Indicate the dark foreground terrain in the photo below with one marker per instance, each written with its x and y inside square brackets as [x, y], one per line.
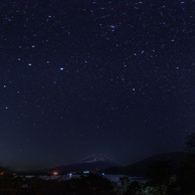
[161, 181]
[164, 176]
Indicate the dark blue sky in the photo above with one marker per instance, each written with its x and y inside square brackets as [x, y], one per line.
[85, 77]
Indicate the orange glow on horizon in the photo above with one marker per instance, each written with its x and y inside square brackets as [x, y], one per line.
[2, 173]
[55, 173]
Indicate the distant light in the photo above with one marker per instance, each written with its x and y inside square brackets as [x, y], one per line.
[103, 174]
[2, 173]
[61, 68]
[112, 26]
[55, 173]
[29, 64]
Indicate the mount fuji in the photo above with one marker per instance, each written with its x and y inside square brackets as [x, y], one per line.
[92, 163]
[96, 158]
[95, 162]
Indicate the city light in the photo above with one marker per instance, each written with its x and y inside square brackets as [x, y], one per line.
[55, 173]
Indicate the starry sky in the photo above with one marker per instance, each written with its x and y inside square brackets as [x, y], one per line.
[88, 77]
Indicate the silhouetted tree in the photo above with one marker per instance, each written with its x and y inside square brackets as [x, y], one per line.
[190, 143]
[8, 183]
[160, 177]
[125, 182]
[92, 184]
[186, 173]
[160, 172]
[133, 189]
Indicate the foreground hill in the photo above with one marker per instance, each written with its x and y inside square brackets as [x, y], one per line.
[141, 168]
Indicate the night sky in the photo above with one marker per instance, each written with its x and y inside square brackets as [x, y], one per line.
[86, 77]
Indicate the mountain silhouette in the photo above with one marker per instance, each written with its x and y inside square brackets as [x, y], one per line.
[143, 167]
[91, 163]
[96, 158]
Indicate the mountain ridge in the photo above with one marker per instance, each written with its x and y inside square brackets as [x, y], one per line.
[95, 158]
[142, 167]
[91, 163]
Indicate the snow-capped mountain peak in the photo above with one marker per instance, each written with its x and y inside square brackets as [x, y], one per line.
[96, 158]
